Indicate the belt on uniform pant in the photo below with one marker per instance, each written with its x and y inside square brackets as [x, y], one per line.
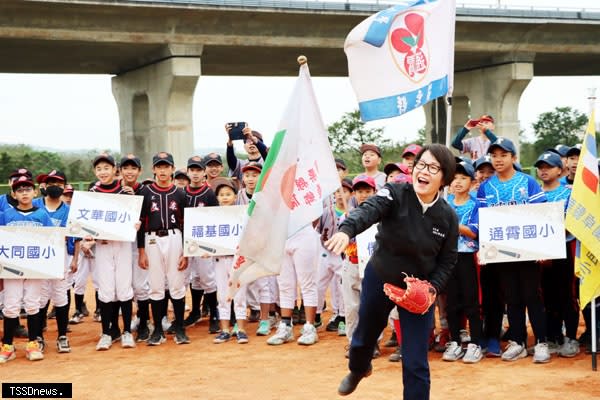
[162, 232]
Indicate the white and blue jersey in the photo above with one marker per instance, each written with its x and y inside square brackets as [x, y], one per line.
[7, 202]
[519, 189]
[559, 194]
[467, 215]
[32, 217]
[59, 218]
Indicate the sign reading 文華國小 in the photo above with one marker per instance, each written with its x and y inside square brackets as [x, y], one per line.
[105, 216]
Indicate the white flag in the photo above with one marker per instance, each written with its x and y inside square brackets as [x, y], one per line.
[298, 174]
[403, 57]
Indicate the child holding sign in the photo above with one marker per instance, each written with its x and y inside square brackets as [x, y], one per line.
[113, 267]
[520, 280]
[25, 292]
[226, 195]
[363, 187]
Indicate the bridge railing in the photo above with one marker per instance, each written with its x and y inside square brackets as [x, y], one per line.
[372, 5]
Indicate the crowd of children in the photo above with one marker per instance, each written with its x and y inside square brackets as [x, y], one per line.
[146, 275]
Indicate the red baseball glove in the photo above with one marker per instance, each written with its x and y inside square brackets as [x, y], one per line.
[417, 298]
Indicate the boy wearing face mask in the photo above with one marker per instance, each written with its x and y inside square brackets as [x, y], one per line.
[57, 290]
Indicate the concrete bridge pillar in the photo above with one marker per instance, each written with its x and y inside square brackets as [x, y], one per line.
[496, 91]
[155, 109]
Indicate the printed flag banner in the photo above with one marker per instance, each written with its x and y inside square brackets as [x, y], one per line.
[298, 174]
[583, 216]
[105, 216]
[32, 252]
[401, 58]
[587, 268]
[583, 212]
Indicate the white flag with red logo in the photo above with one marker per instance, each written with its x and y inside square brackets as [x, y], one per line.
[403, 57]
[298, 174]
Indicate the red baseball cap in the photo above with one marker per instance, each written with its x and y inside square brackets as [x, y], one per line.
[389, 167]
[364, 179]
[411, 149]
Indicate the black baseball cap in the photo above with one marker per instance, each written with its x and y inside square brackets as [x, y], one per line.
[340, 164]
[575, 150]
[163, 158]
[104, 157]
[130, 159]
[212, 157]
[181, 173]
[195, 161]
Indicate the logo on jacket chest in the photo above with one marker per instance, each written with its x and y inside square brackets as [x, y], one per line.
[436, 232]
[173, 205]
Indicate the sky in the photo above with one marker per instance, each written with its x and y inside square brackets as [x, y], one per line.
[71, 112]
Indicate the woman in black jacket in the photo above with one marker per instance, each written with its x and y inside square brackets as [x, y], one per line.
[417, 235]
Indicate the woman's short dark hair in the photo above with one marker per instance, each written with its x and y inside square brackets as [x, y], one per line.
[445, 157]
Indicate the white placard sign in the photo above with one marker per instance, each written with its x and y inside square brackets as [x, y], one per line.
[32, 252]
[522, 232]
[213, 231]
[106, 216]
[365, 244]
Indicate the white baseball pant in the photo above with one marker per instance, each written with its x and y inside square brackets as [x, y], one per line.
[201, 274]
[222, 266]
[163, 260]
[351, 288]
[21, 292]
[300, 263]
[113, 270]
[85, 268]
[330, 275]
[141, 288]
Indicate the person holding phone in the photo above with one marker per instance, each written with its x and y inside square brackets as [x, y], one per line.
[253, 145]
[476, 146]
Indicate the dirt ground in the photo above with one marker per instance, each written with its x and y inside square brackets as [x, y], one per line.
[258, 371]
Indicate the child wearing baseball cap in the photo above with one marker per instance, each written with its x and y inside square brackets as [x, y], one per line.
[520, 280]
[462, 292]
[363, 187]
[476, 146]
[409, 154]
[558, 276]
[371, 158]
[25, 292]
[226, 193]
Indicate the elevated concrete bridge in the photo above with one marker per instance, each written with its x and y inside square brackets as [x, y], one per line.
[158, 49]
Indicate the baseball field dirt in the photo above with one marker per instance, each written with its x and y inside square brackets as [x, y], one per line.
[256, 370]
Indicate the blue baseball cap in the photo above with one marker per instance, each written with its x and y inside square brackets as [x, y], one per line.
[560, 149]
[482, 161]
[465, 168]
[549, 157]
[504, 144]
